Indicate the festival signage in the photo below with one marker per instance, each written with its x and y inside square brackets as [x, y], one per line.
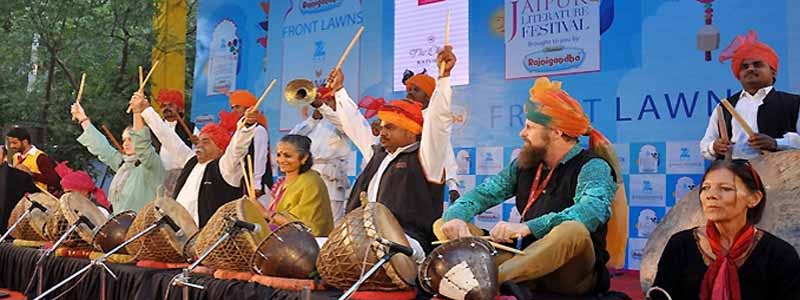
[551, 37]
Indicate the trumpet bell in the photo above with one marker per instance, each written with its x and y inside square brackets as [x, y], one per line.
[300, 92]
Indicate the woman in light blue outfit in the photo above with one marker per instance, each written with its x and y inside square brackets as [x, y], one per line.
[139, 171]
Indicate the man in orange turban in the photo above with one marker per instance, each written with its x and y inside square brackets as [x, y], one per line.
[405, 172]
[240, 101]
[772, 115]
[571, 203]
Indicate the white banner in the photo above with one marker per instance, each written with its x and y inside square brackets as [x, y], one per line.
[551, 37]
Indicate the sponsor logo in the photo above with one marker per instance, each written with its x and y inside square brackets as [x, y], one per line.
[554, 59]
[317, 6]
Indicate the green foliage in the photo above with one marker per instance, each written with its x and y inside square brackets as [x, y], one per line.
[106, 39]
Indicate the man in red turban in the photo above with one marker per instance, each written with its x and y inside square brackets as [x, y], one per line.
[172, 107]
[405, 172]
[772, 115]
[240, 101]
[211, 173]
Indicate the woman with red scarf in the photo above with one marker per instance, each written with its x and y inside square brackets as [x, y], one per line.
[729, 258]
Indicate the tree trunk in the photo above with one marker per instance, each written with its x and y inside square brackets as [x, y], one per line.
[51, 69]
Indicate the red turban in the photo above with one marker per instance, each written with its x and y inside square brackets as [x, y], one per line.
[222, 132]
[748, 47]
[80, 181]
[171, 96]
[242, 98]
[423, 82]
[406, 114]
[371, 105]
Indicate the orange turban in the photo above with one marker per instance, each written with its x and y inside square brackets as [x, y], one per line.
[171, 96]
[406, 114]
[748, 47]
[423, 82]
[242, 98]
[222, 132]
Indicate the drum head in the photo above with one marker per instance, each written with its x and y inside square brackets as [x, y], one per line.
[171, 208]
[389, 228]
[461, 269]
[289, 251]
[38, 218]
[235, 253]
[112, 233]
[74, 205]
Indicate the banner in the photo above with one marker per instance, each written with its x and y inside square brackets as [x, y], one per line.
[551, 37]
[314, 35]
[169, 26]
[419, 36]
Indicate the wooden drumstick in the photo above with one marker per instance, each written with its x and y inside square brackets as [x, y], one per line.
[738, 117]
[80, 89]
[263, 95]
[111, 138]
[446, 39]
[252, 177]
[723, 130]
[350, 47]
[142, 83]
[496, 245]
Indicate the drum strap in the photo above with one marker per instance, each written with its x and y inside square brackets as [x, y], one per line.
[537, 188]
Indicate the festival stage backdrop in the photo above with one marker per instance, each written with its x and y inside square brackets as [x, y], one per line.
[634, 65]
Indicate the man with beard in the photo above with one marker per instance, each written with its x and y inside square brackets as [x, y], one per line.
[13, 185]
[563, 192]
[31, 160]
[211, 173]
[405, 171]
[419, 88]
[172, 108]
[772, 115]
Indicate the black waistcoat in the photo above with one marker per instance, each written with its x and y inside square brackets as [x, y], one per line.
[405, 191]
[777, 115]
[214, 190]
[558, 195]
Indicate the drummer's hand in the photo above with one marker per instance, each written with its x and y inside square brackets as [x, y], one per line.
[251, 117]
[455, 228]
[762, 142]
[78, 114]
[505, 232]
[447, 57]
[721, 147]
[138, 102]
[336, 80]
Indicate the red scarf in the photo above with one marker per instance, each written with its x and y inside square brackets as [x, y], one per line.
[721, 281]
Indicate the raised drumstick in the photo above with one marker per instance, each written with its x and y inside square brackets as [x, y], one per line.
[111, 138]
[446, 40]
[142, 82]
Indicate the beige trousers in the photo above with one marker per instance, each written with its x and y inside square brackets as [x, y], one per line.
[561, 262]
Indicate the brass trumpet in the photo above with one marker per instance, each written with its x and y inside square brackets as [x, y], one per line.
[300, 92]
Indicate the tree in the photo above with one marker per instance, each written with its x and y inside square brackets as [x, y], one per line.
[106, 39]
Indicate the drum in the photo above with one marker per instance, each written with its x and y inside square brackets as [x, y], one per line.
[56, 225]
[235, 253]
[461, 269]
[112, 233]
[780, 173]
[162, 244]
[352, 247]
[188, 248]
[289, 251]
[75, 205]
[32, 228]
